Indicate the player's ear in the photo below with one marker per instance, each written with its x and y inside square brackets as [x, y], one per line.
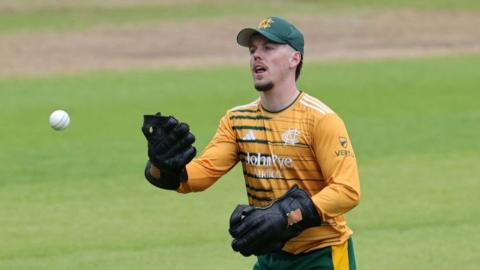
[295, 58]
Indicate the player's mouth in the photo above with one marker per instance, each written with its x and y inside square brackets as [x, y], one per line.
[259, 69]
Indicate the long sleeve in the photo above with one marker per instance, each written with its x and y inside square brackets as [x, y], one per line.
[220, 155]
[338, 164]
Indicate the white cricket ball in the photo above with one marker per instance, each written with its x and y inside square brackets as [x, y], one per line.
[59, 119]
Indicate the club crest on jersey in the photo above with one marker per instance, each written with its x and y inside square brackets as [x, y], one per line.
[343, 142]
[290, 137]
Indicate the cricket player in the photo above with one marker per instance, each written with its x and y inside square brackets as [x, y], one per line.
[299, 166]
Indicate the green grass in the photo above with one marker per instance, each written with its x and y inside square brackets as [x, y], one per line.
[76, 199]
[84, 16]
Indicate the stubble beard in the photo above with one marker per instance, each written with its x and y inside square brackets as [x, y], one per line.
[263, 87]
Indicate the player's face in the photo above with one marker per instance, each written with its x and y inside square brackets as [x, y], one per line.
[269, 62]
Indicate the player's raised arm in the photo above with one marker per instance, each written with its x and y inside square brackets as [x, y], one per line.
[170, 153]
[220, 155]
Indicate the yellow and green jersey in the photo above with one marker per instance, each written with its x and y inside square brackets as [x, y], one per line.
[305, 144]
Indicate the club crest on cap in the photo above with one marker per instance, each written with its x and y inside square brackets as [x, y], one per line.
[265, 23]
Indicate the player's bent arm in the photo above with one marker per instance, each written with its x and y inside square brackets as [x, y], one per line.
[337, 161]
[220, 155]
[335, 200]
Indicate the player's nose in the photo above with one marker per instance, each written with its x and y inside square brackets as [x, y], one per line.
[257, 55]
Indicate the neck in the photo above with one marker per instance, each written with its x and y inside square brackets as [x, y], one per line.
[278, 98]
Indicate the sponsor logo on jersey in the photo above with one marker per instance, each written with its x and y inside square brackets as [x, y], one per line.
[290, 137]
[250, 136]
[275, 174]
[269, 160]
[344, 153]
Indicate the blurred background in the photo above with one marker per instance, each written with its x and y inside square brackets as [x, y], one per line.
[403, 75]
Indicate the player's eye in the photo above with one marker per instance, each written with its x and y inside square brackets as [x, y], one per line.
[269, 47]
[251, 50]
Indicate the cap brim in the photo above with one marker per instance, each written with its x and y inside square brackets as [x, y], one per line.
[244, 36]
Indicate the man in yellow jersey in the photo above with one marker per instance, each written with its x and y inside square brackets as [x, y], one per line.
[299, 166]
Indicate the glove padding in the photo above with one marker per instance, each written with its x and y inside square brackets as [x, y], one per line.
[262, 230]
[169, 142]
[169, 148]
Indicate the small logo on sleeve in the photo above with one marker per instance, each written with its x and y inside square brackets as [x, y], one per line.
[344, 152]
[343, 142]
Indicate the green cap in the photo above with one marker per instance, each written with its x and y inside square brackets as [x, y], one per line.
[275, 29]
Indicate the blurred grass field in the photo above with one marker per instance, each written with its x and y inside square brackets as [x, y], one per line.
[54, 15]
[77, 199]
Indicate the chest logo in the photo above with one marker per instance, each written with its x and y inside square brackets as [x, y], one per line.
[250, 136]
[290, 137]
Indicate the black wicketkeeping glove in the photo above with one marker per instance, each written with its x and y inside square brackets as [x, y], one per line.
[169, 149]
[262, 230]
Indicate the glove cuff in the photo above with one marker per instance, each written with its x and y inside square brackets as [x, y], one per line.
[169, 179]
